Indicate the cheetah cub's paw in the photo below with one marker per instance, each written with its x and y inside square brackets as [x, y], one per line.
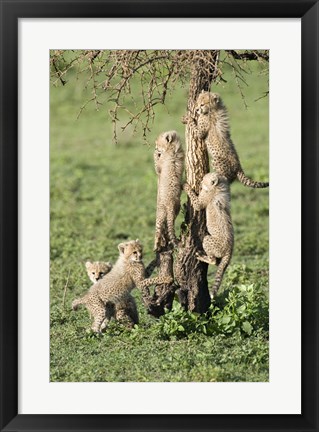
[167, 280]
[185, 119]
[93, 333]
[174, 244]
[205, 259]
[158, 248]
[186, 187]
[157, 245]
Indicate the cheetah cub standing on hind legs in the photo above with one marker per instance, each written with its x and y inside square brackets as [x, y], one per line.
[214, 196]
[121, 312]
[212, 125]
[127, 273]
[168, 160]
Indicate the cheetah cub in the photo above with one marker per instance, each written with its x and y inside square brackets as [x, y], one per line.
[168, 160]
[212, 125]
[126, 312]
[127, 273]
[214, 196]
[96, 270]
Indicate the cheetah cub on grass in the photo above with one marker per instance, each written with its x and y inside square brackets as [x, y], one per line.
[126, 312]
[168, 160]
[212, 125]
[127, 273]
[214, 196]
[97, 269]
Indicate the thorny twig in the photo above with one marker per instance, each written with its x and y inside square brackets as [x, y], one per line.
[154, 73]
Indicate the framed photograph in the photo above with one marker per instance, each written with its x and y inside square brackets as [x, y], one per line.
[169, 137]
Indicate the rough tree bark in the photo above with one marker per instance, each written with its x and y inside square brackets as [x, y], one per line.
[164, 294]
[190, 274]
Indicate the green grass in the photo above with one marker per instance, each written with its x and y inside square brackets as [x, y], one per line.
[102, 194]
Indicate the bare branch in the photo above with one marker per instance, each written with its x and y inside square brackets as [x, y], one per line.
[110, 73]
[249, 55]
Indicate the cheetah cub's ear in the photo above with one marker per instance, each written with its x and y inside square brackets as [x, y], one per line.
[216, 98]
[121, 248]
[214, 181]
[88, 264]
[170, 136]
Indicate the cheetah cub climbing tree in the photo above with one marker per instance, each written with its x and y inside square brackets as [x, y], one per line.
[211, 124]
[214, 198]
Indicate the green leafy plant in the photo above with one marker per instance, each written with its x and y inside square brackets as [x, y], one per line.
[246, 307]
[243, 309]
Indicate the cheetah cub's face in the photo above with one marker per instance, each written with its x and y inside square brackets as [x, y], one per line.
[96, 270]
[213, 182]
[167, 142]
[131, 250]
[207, 102]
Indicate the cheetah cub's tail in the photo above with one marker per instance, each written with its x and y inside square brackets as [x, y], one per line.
[246, 181]
[77, 302]
[220, 273]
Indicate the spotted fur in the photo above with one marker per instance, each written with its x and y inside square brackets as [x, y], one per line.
[127, 273]
[212, 125]
[97, 269]
[126, 312]
[168, 160]
[214, 197]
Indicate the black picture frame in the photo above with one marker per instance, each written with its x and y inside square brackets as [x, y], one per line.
[11, 11]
